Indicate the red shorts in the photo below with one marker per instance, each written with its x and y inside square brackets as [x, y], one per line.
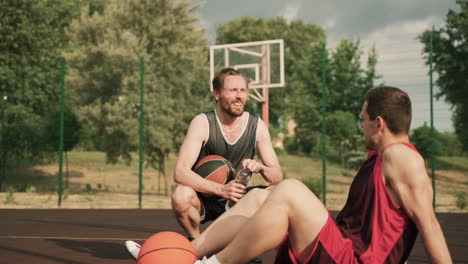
[330, 247]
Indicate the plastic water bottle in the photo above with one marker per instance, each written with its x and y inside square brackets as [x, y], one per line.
[243, 176]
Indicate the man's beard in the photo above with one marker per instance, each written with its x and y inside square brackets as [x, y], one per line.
[228, 109]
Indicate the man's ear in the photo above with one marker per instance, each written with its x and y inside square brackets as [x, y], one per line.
[216, 95]
[380, 122]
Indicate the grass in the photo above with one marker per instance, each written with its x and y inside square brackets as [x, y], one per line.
[95, 184]
[452, 163]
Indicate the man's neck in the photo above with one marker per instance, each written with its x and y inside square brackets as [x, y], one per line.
[389, 139]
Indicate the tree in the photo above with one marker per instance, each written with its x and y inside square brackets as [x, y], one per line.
[342, 131]
[300, 98]
[450, 144]
[348, 79]
[450, 58]
[105, 74]
[31, 43]
[71, 133]
[421, 138]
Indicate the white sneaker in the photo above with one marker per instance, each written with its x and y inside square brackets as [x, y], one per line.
[201, 261]
[212, 260]
[133, 248]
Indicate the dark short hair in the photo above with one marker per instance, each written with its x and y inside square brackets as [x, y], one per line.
[218, 80]
[393, 105]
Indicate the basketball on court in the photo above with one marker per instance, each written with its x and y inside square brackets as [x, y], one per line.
[215, 168]
[167, 247]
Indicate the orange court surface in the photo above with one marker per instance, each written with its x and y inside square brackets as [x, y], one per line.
[79, 236]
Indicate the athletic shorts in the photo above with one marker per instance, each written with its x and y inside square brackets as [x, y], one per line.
[330, 247]
[214, 206]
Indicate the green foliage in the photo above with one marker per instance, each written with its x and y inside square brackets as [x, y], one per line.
[354, 159]
[460, 119]
[343, 126]
[460, 200]
[72, 129]
[450, 60]
[10, 198]
[105, 75]
[348, 80]
[308, 127]
[341, 130]
[31, 43]
[450, 144]
[314, 184]
[302, 59]
[421, 137]
[452, 163]
[89, 188]
[290, 144]
[300, 99]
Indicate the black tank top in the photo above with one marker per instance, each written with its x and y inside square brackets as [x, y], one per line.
[243, 148]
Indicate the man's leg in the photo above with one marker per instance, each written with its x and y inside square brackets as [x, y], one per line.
[187, 207]
[291, 208]
[221, 232]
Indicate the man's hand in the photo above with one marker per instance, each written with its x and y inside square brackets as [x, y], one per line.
[253, 165]
[233, 191]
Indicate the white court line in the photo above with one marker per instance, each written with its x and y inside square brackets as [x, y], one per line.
[71, 238]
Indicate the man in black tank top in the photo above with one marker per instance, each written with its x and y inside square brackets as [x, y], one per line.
[227, 131]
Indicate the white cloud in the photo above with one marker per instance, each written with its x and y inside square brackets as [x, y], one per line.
[330, 23]
[206, 25]
[291, 11]
[400, 62]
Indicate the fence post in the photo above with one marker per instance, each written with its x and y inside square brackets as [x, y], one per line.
[62, 106]
[324, 124]
[432, 123]
[140, 174]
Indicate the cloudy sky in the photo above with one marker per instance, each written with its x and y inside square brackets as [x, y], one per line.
[391, 26]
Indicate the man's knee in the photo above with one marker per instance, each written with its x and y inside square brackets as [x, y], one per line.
[293, 190]
[183, 197]
[289, 186]
[256, 197]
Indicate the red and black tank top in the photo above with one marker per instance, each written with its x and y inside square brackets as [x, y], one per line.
[381, 231]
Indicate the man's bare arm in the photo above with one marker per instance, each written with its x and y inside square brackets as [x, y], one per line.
[188, 154]
[406, 176]
[269, 168]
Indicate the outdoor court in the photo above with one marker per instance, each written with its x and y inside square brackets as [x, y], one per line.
[81, 236]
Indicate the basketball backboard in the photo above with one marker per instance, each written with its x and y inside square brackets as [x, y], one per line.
[262, 62]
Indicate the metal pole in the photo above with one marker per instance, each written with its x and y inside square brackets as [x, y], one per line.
[140, 174]
[2, 140]
[62, 106]
[324, 123]
[432, 123]
[266, 101]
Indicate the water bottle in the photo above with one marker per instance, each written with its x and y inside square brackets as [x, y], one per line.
[243, 176]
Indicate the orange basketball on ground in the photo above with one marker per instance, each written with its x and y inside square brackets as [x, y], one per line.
[215, 168]
[167, 247]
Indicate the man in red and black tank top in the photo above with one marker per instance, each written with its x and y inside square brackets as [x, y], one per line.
[389, 201]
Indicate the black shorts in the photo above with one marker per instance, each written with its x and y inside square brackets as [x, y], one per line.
[214, 206]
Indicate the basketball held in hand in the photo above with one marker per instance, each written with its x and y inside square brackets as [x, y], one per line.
[215, 168]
